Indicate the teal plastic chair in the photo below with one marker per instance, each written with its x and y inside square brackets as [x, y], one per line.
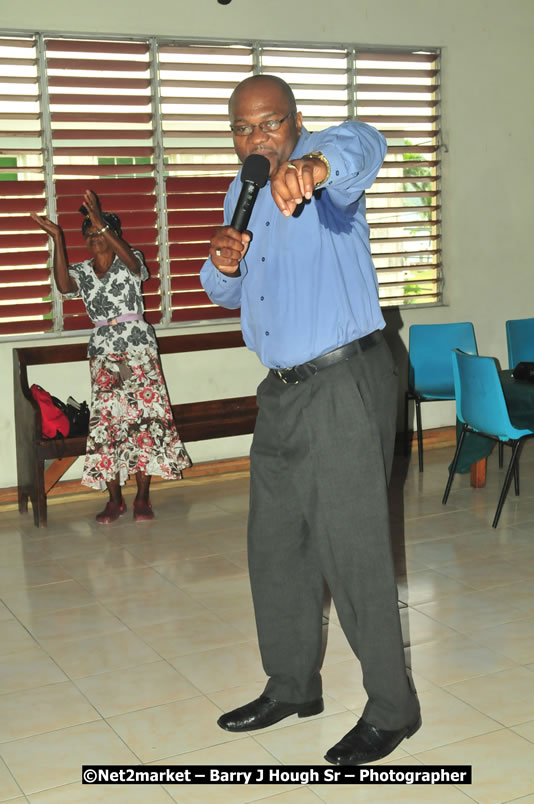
[520, 341]
[481, 408]
[430, 377]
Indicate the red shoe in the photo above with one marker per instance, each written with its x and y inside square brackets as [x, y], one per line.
[142, 511]
[111, 513]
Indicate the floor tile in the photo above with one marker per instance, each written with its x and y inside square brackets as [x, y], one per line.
[9, 789]
[13, 579]
[514, 640]
[441, 525]
[526, 730]
[75, 543]
[455, 659]
[19, 553]
[45, 709]
[221, 668]
[183, 573]
[95, 564]
[343, 682]
[301, 796]
[468, 613]
[190, 635]
[5, 613]
[222, 593]
[100, 654]
[132, 688]
[48, 598]
[57, 756]
[508, 696]
[487, 572]
[418, 628]
[72, 624]
[423, 586]
[446, 719]
[242, 752]
[337, 646]
[153, 608]
[28, 668]
[391, 793]
[173, 728]
[153, 552]
[239, 557]
[502, 762]
[102, 794]
[14, 637]
[520, 595]
[127, 583]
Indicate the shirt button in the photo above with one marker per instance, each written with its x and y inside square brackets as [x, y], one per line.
[263, 259]
[267, 332]
[337, 172]
[267, 223]
[262, 298]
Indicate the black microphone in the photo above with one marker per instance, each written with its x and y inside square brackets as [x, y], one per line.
[254, 175]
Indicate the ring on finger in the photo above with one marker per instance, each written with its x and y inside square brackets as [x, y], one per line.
[291, 165]
[217, 252]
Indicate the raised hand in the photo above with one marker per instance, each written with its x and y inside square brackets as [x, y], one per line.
[92, 204]
[295, 181]
[47, 225]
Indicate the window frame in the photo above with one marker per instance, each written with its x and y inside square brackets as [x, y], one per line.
[163, 173]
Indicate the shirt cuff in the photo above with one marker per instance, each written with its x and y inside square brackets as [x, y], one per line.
[336, 165]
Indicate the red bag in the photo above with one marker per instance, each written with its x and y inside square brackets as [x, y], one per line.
[55, 423]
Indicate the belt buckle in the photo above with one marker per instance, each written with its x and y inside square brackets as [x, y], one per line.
[280, 374]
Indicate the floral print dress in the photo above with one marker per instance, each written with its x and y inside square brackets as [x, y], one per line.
[131, 428]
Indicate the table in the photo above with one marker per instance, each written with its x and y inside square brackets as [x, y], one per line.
[519, 395]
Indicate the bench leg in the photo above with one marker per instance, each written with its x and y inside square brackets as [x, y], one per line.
[23, 500]
[38, 496]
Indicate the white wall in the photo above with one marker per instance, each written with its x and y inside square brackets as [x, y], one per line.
[487, 64]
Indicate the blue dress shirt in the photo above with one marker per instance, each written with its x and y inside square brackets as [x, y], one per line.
[308, 283]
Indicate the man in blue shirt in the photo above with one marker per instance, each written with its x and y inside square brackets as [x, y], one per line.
[323, 444]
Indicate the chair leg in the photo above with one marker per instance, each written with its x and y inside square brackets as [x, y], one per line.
[501, 454]
[516, 478]
[516, 449]
[406, 426]
[453, 465]
[419, 433]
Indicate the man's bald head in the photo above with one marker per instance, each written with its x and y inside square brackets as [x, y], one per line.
[257, 83]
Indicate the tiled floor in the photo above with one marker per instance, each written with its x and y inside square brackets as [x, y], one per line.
[123, 644]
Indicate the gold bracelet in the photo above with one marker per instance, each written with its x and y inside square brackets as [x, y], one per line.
[103, 229]
[324, 160]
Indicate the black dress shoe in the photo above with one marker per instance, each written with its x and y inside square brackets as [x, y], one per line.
[263, 712]
[366, 743]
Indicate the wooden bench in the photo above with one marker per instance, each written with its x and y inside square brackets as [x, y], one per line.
[196, 421]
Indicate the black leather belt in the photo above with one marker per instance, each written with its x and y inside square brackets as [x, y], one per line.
[300, 373]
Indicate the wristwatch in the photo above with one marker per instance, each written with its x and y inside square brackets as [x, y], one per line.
[324, 160]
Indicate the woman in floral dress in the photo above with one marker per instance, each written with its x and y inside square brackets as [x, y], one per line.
[131, 429]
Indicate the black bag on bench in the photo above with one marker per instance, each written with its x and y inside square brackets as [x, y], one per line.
[78, 416]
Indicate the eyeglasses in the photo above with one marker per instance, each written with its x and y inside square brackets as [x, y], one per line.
[267, 126]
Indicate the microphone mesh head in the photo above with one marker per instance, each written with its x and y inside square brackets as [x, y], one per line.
[256, 168]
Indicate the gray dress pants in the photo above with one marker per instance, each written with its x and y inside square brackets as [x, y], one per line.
[320, 463]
